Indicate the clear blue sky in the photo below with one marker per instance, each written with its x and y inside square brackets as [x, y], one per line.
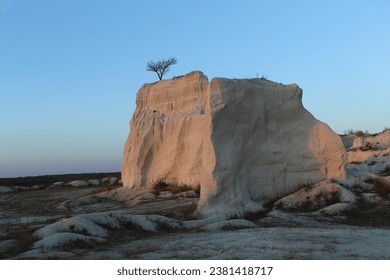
[70, 70]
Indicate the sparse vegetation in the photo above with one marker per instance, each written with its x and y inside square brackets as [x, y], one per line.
[368, 215]
[309, 198]
[381, 185]
[369, 147]
[271, 203]
[24, 238]
[161, 67]
[360, 133]
[161, 185]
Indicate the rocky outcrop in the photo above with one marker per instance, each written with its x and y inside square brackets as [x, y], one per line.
[166, 133]
[378, 141]
[361, 146]
[244, 141]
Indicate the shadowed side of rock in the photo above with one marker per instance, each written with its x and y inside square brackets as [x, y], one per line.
[264, 143]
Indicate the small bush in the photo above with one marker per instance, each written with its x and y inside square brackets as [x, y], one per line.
[359, 133]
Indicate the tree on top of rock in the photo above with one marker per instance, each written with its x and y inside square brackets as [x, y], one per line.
[160, 67]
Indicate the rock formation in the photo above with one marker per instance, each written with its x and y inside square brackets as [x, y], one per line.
[361, 146]
[243, 141]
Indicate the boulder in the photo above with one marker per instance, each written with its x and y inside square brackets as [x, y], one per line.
[5, 189]
[77, 183]
[93, 182]
[317, 196]
[58, 184]
[245, 142]
[109, 181]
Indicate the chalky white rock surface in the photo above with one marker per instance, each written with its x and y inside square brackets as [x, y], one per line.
[244, 141]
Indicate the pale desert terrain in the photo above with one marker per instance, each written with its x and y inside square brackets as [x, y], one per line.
[98, 219]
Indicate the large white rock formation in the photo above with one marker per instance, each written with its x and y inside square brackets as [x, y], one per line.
[244, 141]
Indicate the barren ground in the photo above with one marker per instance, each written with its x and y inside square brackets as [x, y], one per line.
[358, 234]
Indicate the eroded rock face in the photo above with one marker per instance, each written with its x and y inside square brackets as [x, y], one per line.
[166, 131]
[244, 141]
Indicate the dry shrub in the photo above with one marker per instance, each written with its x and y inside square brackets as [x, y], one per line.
[381, 185]
[369, 147]
[160, 185]
[359, 133]
[24, 236]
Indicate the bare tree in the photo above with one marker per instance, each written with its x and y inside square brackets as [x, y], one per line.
[160, 67]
